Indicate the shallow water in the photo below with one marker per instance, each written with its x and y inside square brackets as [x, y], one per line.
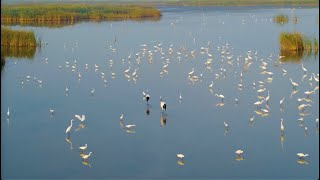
[34, 144]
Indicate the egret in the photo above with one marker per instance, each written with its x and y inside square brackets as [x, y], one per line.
[281, 101]
[130, 126]
[82, 148]
[294, 84]
[251, 119]
[121, 117]
[180, 97]
[304, 69]
[51, 111]
[69, 128]
[221, 96]
[127, 70]
[80, 118]
[226, 126]
[211, 85]
[308, 93]
[134, 73]
[92, 92]
[239, 152]
[163, 105]
[181, 156]
[191, 72]
[301, 155]
[85, 157]
[8, 113]
[305, 130]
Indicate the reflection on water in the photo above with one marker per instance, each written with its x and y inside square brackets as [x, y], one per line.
[294, 56]
[163, 120]
[16, 52]
[61, 24]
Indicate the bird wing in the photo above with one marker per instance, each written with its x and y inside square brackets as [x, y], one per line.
[77, 116]
[130, 126]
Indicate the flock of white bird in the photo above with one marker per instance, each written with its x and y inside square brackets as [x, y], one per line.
[227, 59]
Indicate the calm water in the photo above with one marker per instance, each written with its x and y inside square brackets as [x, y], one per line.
[34, 144]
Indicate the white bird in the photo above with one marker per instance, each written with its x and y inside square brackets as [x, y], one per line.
[180, 97]
[282, 126]
[121, 117]
[294, 84]
[281, 101]
[82, 148]
[221, 96]
[304, 69]
[251, 119]
[239, 152]
[8, 113]
[211, 85]
[301, 155]
[130, 126]
[85, 157]
[191, 72]
[69, 128]
[225, 125]
[284, 71]
[181, 156]
[51, 111]
[135, 72]
[80, 118]
[163, 104]
[92, 91]
[127, 70]
[308, 93]
[67, 89]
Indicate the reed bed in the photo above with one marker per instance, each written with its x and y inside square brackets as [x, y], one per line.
[295, 46]
[17, 38]
[281, 19]
[71, 13]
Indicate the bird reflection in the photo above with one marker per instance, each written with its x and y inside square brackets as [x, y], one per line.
[302, 161]
[148, 109]
[282, 140]
[180, 162]
[239, 158]
[86, 163]
[81, 126]
[69, 141]
[163, 120]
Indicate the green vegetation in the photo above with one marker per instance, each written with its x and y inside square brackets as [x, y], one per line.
[44, 14]
[294, 46]
[281, 19]
[17, 38]
[291, 42]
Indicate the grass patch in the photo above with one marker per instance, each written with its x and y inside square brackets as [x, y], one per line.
[44, 14]
[294, 46]
[17, 38]
[281, 19]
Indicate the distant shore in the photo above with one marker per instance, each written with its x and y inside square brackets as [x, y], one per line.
[303, 3]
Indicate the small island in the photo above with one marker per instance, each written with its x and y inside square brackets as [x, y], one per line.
[55, 14]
